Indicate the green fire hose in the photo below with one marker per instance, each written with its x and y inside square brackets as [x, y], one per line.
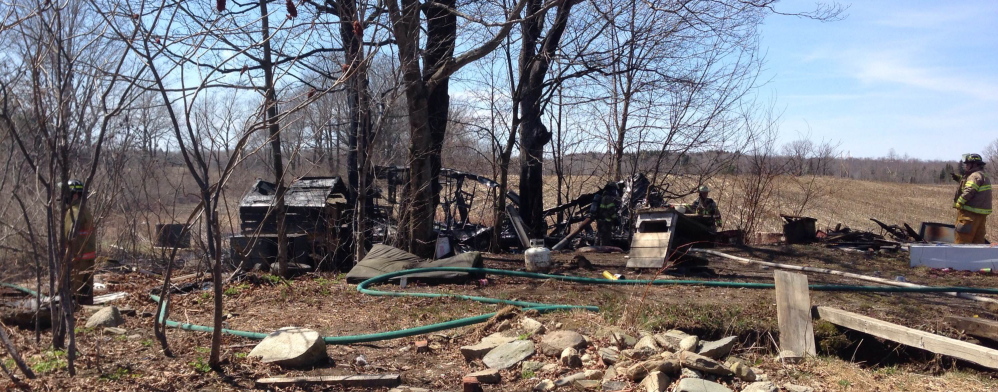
[363, 287]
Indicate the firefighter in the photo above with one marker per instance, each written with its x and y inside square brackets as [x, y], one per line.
[604, 211]
[705, 206]
[80, 243]
[972, 201]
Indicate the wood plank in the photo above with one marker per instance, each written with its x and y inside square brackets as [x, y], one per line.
[650, 240]
[973, 326]
[648, 252]
[360, 380]
[645, 262]
[103, 299]
[793, 311]
[912, 337]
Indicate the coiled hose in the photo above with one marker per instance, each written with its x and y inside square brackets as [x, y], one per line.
[363, 287]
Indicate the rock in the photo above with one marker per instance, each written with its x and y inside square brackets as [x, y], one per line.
[762, 386]
[115, 331]
[610, 374]
[623, 340]
[655, 382]
[718, 349]
[134, 337]
[553, 343]
[587, 360]
[703, 364]
[689, 343]
[613, 385]
[690, 373]
[609, 355]
[797, 388]
[531, 326]
[570, 358]
[549, 368]
[760, 375]
[509, 354]
[587, 384]
[742, 371]
[647, 342]
[106, 317]
[487, 376]
[699, 385]
[291, 347]
[530, 366]
[638, 354]
[483, 347]
[639, 371]
[545, 385]
[670, 339]
[587, 375]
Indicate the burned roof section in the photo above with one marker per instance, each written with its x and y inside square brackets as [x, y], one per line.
[307, 192]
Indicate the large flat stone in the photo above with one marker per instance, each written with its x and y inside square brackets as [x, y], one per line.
[718, 349]
[703, 364]
[291, 347]
[699, 385]
[483, 347]
[509, 354]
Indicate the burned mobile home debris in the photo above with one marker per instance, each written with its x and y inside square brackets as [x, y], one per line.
[317, 224]
[319, 218]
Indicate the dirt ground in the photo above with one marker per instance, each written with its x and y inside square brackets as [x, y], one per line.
[330, 305]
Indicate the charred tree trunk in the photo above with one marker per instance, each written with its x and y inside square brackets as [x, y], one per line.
[535, 59]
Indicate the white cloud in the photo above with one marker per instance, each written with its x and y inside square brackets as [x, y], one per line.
[896, 70]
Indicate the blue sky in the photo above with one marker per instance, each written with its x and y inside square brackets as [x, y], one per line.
[920, 77]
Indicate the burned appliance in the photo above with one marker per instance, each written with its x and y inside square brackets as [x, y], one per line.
[317, 224]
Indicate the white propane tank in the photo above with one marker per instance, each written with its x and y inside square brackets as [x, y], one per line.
[537, 258]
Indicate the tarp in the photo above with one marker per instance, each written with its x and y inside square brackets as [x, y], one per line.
[382, 259]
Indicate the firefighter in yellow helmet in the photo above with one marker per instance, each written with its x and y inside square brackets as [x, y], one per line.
[80, 243]
[972, 201]
[705, 206]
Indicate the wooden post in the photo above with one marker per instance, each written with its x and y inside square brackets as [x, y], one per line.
[793, 311]
[518, 226]
[912, 337]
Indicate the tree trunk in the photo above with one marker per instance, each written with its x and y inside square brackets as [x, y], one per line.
[359, 139]
[270, 100]
[534, 135]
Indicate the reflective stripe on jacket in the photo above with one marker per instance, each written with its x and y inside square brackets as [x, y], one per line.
[974, 194]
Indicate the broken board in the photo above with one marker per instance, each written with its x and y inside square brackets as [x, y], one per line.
[356, 381]
[973, 326]
[912, 337]
[793, 311]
